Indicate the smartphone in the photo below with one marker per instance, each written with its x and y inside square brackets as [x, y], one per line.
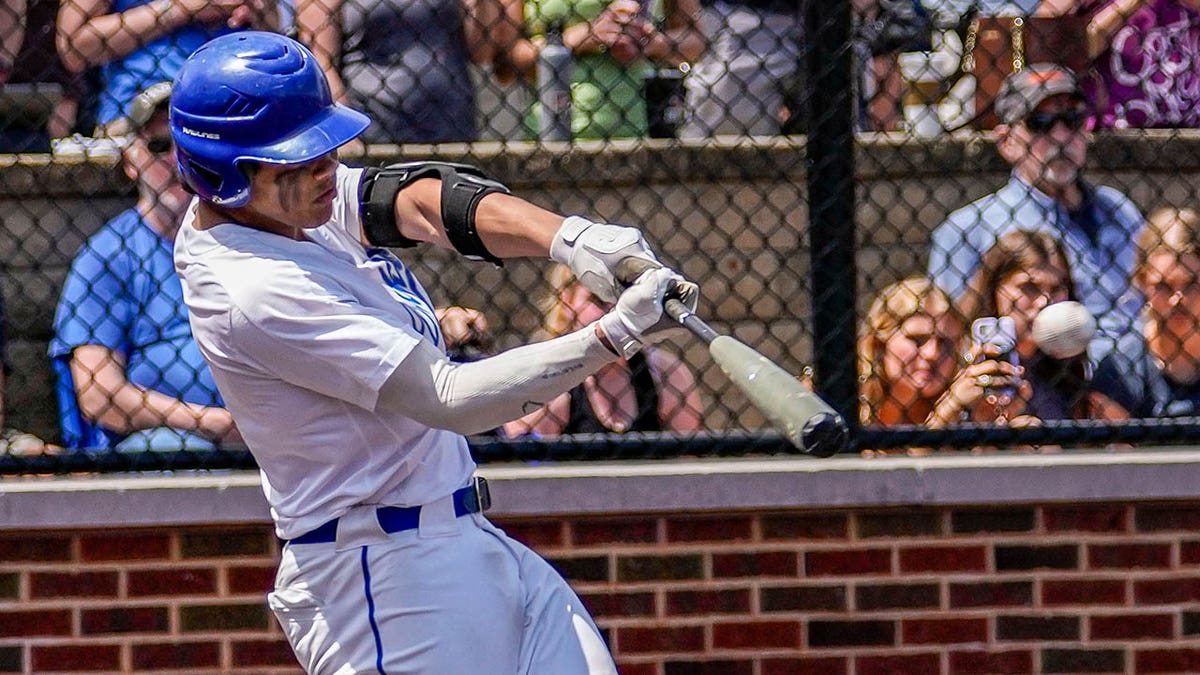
[1000, 332]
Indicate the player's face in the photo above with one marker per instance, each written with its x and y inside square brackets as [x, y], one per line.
[1050, 144]
[294, 195]
[1021, 295]
[919, 357]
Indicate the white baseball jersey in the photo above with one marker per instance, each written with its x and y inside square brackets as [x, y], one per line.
[300, 362]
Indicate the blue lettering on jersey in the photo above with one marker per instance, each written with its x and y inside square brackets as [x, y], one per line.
[408, 291]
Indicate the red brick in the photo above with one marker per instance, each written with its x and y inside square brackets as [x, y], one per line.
[1167, 661]
[124, 620]
[793, 528]
[943, 559]
[802, 598]
[708, 667]
[659, 568]
[1189, 552]
[1132, 627]
[176, 656]
[844, 563]
[20, 547]
[637, 668]
[255, 580]
[1167, 518]
[868, 597]
[173, 581]
[614, 531]
[724, 601]
[760, 564]
[103, 547]
[1083, 592]
[263, 653]
[708, 529]
[632, 640]
[943, 631]
[614, 604]
[1099, 519]
[1166, 591]
[1013, 662]
[991, 594]
[228, 543]
[851, 633]
[831, 665]
[1040, 628]
[539, 535]
[34, 623]
[73, 584]
[88, 658]
[1129, 556]
[757, 635]
[906, 664]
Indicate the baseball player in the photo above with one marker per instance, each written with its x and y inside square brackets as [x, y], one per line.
[327, 350]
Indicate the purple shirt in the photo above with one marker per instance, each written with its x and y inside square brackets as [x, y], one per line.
[1150, 75]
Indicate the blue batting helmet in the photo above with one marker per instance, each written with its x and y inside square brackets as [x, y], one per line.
[252, 97]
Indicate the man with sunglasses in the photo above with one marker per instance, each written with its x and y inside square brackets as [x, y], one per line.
[130, 376]
[1044, 134]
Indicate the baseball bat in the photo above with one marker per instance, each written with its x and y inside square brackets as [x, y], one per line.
[807, 421]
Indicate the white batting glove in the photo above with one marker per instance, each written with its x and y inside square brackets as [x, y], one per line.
[593, 250]
[637, 318]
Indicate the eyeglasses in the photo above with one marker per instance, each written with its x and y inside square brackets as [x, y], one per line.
[1041, 123]
[160, 145]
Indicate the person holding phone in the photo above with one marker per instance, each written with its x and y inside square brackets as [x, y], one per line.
[1020, 275]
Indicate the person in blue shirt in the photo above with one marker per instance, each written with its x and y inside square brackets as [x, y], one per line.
[1156, 373]
[130, 374]
[137, 43]
[1043, 134]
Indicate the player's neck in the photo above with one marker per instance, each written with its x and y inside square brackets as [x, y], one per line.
[209, 215]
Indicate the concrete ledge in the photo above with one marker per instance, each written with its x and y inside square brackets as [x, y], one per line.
[649, 487]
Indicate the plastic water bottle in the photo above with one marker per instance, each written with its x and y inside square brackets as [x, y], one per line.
[555, 67]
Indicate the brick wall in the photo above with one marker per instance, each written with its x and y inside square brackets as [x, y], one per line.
[1109, 587]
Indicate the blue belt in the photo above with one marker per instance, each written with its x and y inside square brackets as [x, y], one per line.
[472, 499]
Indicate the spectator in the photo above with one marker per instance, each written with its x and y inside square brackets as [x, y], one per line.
[1042, 134]
[651, 391]
[130, 374]
[908, 355]
[403, 62]
[39, 97]
[137, 43]
[612, 44]
[1018, 277]
[466, 333]
[1146, 57]
[1157, 373]
[753, 58]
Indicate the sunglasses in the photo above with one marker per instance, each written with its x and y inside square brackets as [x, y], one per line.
[160, 145]
[1041, 123]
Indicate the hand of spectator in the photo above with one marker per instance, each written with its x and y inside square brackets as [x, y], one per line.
[233, 13]
[974, 390]
[616, 29]
[466, 333]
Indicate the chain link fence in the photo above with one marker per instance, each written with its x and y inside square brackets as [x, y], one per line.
[854, 186]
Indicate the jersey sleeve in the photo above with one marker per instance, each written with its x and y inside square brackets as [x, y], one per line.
[347, 211]
[94, 308]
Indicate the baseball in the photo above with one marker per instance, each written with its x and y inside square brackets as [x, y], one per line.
[1064, 329]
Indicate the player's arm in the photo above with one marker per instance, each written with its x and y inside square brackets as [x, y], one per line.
[108, 398]
[455, 206]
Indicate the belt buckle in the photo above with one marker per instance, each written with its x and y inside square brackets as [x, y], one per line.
[483, 496]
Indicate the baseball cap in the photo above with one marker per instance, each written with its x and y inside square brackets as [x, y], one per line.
[1023, 90]
[141, 109]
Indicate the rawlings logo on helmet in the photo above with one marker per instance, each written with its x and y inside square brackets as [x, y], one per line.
[200, 134]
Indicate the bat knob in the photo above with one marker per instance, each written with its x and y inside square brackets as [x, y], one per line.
[825, 435]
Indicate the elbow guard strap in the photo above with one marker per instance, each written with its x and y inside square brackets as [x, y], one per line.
[463, 186]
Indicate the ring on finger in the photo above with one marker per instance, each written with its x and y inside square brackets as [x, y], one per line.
[984, 380]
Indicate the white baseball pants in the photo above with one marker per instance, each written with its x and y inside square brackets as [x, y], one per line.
[455, 596]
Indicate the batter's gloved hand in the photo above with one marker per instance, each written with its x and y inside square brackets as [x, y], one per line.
[638, 318]
[593, 250]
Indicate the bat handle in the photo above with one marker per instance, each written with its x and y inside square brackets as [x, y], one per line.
[688, 319]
